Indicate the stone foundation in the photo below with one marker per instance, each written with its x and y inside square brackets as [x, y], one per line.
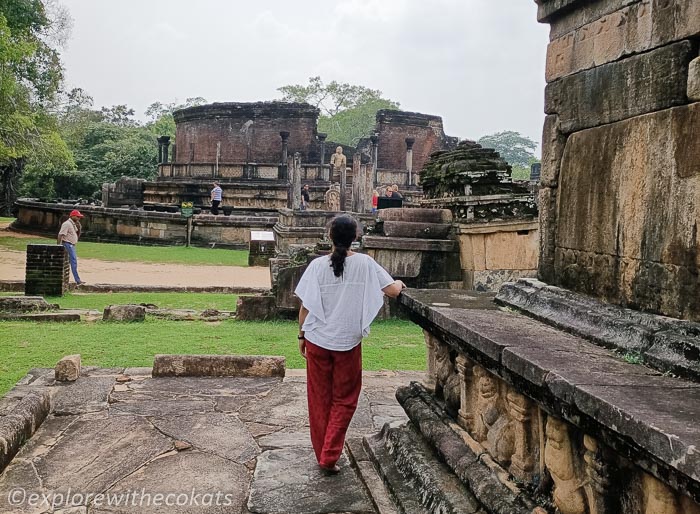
[143, 227]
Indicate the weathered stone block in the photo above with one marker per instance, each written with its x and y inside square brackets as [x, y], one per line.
[416, 229]
[20, 423]
[124, 313]
[694, 79]
[256, 308]
[68, 368]
[547, 204]
[553, 142]
[634, 29]
[218, 366]
[25, 304]
[416, 215]
[627, 229]
[616, 91]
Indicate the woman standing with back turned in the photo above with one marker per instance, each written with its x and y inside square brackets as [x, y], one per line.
[340, 294]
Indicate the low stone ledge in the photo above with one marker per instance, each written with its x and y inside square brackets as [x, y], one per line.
[410, 244]
[16, 304]
[645, 417]
[59, 317]
[68, 368]
[20, 424]
[251, 366]
[666, 344]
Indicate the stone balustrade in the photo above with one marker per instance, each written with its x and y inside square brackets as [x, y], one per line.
[545, 417]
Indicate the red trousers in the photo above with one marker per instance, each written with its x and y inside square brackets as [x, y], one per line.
[333, 384]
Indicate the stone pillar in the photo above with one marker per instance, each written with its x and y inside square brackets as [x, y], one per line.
[324, 175]
[409, 159]
[166, 145]
[521, 409]
[47, 270]
[163, 144]
[296, 181]
[343, 187]
[357, 185]
[375, 153]
[174, 156]
[431, 375]
[285, 145]
[465, 369]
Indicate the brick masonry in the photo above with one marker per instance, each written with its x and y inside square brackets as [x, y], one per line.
[47, 270]
[199, 129]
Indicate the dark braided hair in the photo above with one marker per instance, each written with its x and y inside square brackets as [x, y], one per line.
[343, 233]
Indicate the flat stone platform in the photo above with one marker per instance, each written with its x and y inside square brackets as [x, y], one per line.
[118, 440]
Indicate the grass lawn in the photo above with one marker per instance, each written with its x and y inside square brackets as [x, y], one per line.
[135, 253]
[394, 345]
[6, 220]
[98, 301]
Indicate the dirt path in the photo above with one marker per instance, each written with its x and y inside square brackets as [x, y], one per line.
[94, 271]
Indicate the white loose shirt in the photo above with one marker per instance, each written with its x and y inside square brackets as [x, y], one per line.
[341, 309]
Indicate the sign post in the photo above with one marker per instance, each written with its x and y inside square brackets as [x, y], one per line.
[187, 211]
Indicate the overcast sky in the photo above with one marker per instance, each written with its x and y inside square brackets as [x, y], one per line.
[477, 63]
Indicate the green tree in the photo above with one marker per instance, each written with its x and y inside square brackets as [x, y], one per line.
[30, 77]
[347, 111]
[516, 149]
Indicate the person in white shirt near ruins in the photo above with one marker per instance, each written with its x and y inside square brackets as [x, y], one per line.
[341, 294]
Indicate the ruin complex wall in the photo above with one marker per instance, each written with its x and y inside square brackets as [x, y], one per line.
[620, 196]
[200, 128]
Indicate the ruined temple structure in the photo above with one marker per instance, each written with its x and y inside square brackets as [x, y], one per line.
[246, 147]
[401, 145]
[577, 392]
[495, 218]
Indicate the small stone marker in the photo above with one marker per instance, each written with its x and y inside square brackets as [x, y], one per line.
[121, 379]
[68, 368]
[124, 313]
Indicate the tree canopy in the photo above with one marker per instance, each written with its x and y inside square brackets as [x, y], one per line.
[30, 78]
[347, 111]
[515, 148]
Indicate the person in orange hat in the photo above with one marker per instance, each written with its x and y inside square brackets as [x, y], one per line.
[68, 237]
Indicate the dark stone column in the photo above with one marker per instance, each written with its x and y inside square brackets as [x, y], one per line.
[375, 152]
[174, 156]
[163, 143]
[409, 159]
[322, 138]
[285, 145]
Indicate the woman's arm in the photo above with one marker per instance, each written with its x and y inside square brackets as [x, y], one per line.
[394, 290]
[303, 312]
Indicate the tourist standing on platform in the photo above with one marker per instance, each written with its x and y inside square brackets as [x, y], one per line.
[395, 192]
[375, 201]
[305, 197]
[341, 294]
[216, 198]
[68, 237]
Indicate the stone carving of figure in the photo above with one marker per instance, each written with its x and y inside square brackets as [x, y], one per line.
[332, 198]
[338, 160]
[447, 377]
[559, 458]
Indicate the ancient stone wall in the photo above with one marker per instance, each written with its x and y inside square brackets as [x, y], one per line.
[393, 128]
[200, 130]
[620, 196]
[142, 227]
